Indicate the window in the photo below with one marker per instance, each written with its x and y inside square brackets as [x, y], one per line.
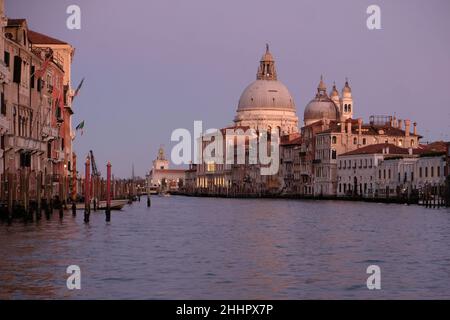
[349, 108]
[333, 154]
[426, 172]
[32, 72]
[420, 172]
[432, 172]
[389, 173]
[49, 150]
[25, 159]
[334, 140]
[17, 77]
[364, 141]
[3, 104]
[7, 58]
[31, 123]
[355, 140]
[438, 171]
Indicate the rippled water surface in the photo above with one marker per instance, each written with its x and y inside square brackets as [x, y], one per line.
[206, 248]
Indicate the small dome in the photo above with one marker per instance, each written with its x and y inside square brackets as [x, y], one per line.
[334, 93]
[322, 85]
[346, 90]
[266, 94]
[320, 108]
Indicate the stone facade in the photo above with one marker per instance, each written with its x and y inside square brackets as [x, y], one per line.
[35, 118]
[161, 178]
[309, 155]
[386, 171]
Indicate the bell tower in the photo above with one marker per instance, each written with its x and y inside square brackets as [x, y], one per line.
[346, 102]
[161, 163]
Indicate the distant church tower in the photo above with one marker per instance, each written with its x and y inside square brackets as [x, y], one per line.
[346, 103]
[334, 96]
[161, 163]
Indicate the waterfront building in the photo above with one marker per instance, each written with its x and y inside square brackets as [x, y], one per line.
[290, 169]
[35, 126]
[387, 170]
[308, 156]
[161, 177]
[62, 57]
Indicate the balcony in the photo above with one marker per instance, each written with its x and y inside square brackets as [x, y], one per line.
[49, 133]
[28, 144]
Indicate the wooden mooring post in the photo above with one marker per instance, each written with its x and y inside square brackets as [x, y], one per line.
[74, 186]
[108, 192]
[38, 195]
[10, 196]
[87, 190]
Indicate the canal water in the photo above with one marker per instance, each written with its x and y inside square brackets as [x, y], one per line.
[206, 248]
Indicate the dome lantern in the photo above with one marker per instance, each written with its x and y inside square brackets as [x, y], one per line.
[266, 70]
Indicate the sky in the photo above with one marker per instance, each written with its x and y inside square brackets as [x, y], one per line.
[152, 66]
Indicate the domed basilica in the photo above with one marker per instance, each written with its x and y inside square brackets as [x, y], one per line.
[267, 103]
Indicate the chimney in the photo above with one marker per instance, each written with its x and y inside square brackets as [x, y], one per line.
[399, 124]
[407, 128]
[415, 128]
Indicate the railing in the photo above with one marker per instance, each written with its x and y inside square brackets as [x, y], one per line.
[26, 143]
[51, 132]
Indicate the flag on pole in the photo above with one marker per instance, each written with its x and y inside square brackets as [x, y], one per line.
[77, 91]
[80, 127]
[39, 73]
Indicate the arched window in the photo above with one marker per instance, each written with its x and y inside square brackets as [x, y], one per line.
[355, 140]
[334, 140]
[349, 108]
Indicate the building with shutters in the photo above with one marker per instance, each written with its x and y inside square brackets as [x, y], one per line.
[35, 119]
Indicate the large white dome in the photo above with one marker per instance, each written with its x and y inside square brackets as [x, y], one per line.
[266, 103]
[266, 94]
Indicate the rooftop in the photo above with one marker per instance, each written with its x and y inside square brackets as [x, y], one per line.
[39, 38]
[381, 148]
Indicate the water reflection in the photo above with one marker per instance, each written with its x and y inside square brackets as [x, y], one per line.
[189, 248]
